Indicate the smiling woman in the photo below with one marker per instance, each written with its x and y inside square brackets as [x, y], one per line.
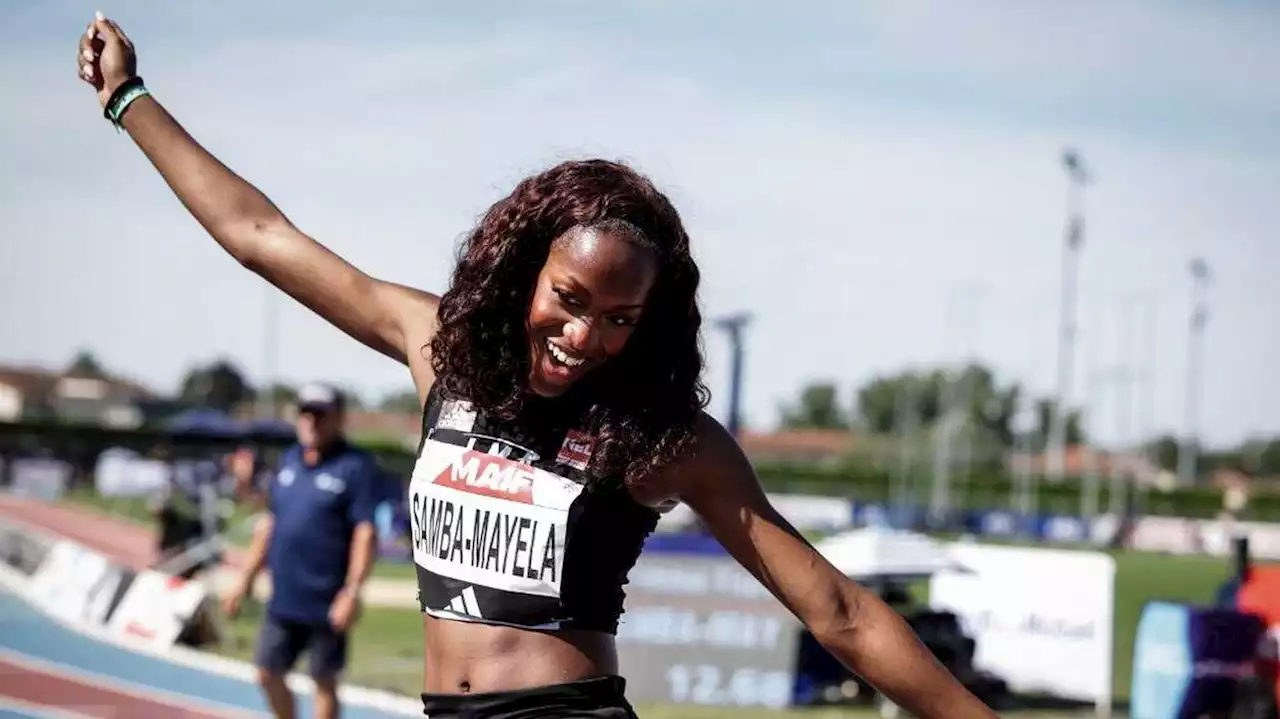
[592, 278]
[580, 285]
[560, 375]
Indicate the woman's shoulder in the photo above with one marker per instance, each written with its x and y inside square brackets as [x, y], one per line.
[712, 456]
[712, 441]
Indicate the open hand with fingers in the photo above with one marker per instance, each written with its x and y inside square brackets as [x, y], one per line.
[105, 57]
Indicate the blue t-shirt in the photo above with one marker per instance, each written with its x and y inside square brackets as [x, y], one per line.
[316, 511]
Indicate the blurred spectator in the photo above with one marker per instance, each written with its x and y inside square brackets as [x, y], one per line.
[317, 538]
[250, 477]
[189, 510]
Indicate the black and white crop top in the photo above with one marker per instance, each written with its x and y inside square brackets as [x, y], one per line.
[509, 529]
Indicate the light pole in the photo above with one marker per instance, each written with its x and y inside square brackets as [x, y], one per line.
[906, 424]
[1127, 375]
[1024, 474]
[1188, 448]
[734, 325]
[270, 349]
[1147, 399]
[1077, 178]
[955, 413]
[1089, 488]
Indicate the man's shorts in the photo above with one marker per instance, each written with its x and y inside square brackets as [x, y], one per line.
[281, 642]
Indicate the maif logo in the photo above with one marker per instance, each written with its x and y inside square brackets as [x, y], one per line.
[488, 474]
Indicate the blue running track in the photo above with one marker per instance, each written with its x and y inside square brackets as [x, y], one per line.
[27, 631]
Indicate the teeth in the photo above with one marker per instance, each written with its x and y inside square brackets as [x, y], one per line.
[560, 355]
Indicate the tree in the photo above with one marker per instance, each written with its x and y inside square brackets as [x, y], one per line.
[85, 364]
[1165, 450]
[989, 407]
[880, 401]
[974, 389]
[219, 385]
[1044, 421]
[404, 401]
[818, 408]
[280, 394]
[353, 399]
[1268, 462]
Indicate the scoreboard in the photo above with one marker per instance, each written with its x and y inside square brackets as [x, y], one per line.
[699, 629]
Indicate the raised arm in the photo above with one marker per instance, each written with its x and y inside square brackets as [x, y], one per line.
[859, 629]
[392, 319]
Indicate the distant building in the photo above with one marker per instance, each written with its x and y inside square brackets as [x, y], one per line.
[28, 393]
[798, 445]
[1080, 460]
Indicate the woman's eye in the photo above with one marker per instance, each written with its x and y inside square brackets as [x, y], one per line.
[567, 298]
[624, 321]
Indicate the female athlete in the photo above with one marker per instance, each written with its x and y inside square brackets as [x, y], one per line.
[563, 408]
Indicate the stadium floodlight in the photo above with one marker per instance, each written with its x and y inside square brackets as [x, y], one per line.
[734, 325]
[1077, 178]
[1188, 448]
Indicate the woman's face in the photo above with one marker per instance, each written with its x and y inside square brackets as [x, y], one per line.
[587, 301]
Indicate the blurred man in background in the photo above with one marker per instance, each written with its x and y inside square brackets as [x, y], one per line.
[317, 540]
[190, 514]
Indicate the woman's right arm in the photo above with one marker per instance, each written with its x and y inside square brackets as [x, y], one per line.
[392, 319]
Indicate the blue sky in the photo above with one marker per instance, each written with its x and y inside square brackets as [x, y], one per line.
[845, 169]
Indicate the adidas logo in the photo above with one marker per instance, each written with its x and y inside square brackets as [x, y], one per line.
[465, 603]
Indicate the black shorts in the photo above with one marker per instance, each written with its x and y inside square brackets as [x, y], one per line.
[599, 698]
[280, 642]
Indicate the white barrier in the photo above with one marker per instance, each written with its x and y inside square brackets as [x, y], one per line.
[1176, 535]
[39, 477]
[57, 573]
[806, 512]
[1043, 619]
[156, 608]
[76, 584]
[1171, 535]
[877, 553]
[123, 473]
[1264, 538]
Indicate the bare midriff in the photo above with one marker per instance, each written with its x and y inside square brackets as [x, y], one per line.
[467, 657]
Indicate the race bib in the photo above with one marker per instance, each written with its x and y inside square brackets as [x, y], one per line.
[480, 517]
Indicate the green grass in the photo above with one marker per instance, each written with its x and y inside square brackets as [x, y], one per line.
[386, 647]
[134, 509]
[1141, 578]
[388, 655]
[395, 570]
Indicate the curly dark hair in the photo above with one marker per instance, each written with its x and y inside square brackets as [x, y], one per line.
[642, 405]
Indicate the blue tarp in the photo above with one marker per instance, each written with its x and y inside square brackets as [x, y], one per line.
[204, 421]
[216, 423]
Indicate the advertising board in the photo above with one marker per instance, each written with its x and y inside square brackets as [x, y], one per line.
[1043, 619]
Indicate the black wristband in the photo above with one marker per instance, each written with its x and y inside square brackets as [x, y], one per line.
[115, 106]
